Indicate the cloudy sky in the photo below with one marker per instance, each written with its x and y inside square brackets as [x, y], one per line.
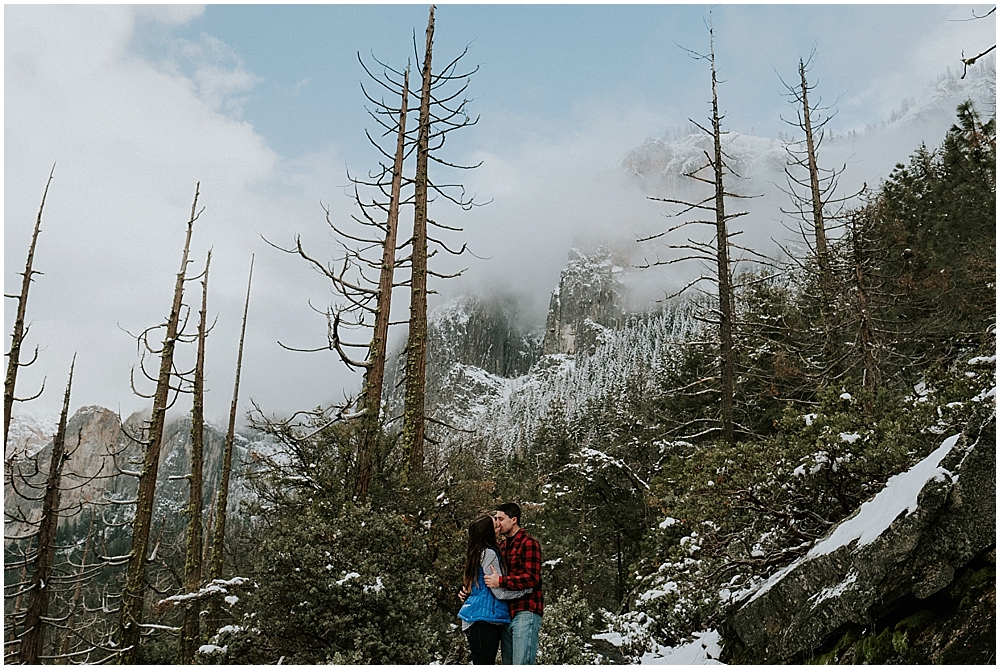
[261, 104]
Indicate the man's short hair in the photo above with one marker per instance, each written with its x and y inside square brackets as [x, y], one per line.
[512, 510]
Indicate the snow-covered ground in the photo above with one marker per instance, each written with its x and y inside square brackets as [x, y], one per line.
[704, 649]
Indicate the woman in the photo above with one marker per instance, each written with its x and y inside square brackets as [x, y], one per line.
[484, 614]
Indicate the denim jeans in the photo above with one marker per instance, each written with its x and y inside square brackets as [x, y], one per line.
[519, 639]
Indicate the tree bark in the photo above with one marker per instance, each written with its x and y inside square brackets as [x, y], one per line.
[416, 346]
[375, 373]
[133, 595]
[222, 498]
[38, 599]
[819, 227]
[190, 629]
[17, 338]
[726, 303]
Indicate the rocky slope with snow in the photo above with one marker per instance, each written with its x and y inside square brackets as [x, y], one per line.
[494, 377]
[900, 580]
[658, 164]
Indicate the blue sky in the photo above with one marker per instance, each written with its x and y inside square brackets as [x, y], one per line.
[262, 105]
[548, 65]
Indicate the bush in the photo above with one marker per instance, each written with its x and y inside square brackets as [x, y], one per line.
[568, 627]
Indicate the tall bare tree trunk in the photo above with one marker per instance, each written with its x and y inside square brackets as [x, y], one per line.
[77, 589]
[222, 499]
[726, 304]
[133, 596]
[190, 629]
[819, 227]
[416, 346]
[375, 373]
[17, 338]
[38, 599]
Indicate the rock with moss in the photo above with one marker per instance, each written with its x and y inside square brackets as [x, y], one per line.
[899, 549]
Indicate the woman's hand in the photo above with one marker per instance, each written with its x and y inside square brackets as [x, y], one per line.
[463, 594]
[492, 579]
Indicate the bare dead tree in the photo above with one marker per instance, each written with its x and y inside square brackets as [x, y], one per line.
[717, 254]
[20, 328]
[81, 578]
[416, 343]
[805, 361]
[222, 497]
[811, 188]
[34, 502]
[440, 113]
[366, 302]
[133, 595]
[192, 562]
[969, 62]
[41, 577]
[375, 364]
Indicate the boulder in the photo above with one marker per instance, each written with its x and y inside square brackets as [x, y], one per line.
[901, 547]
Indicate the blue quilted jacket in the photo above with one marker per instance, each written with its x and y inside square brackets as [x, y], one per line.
[482, 605]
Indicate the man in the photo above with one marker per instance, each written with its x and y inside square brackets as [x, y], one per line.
[523, 554]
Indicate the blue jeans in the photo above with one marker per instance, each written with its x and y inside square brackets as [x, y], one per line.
[519, 639]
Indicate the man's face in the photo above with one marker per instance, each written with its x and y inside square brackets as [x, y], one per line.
[503, 522]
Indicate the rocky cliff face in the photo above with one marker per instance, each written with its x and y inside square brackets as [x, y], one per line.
[909, 578]
[484, 333]
[474, 346]
[99, 449]
[587, 302]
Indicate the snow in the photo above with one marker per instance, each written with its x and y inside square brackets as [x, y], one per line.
[835, 591]
[850, 438]
[348, 577]
[210, 649]
[899, 495]
[983, 360]
[846, 396]
[649, 595]
[703, 649]
[218, 586]
[30, 431]
[231, 599]
[667, 522]
[876, 515]
[992, 392]
[614, 638]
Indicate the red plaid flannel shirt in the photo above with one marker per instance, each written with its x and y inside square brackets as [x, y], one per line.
[524, 570]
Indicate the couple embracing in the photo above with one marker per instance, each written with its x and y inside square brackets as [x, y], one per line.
[502, 589]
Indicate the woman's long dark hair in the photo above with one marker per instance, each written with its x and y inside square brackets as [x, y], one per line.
[482, 535]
